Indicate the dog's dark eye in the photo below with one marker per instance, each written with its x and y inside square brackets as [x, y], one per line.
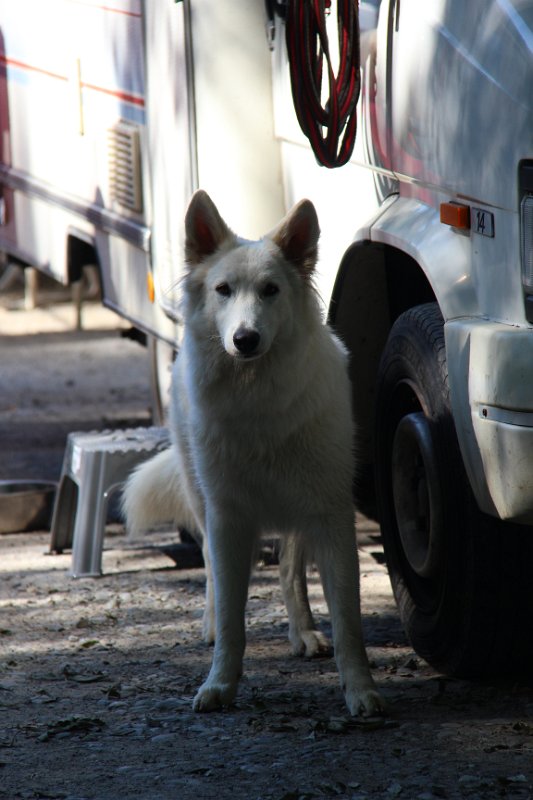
[270, 289]
[223, 289]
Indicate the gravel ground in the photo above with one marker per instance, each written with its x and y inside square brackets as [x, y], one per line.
[97, 675]
[97, 679]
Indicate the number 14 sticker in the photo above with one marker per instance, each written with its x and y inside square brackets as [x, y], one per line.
[482, 222]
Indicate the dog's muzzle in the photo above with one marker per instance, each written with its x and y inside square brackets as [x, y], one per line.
[246, 341]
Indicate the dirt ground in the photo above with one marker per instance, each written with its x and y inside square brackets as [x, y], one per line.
[97, 676]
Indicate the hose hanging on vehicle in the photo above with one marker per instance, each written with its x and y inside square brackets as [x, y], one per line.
[331, 128]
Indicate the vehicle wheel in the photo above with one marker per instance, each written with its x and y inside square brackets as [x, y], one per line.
[460, 577]
[161, 355]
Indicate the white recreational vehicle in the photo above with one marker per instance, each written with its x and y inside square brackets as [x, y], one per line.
[112, 113]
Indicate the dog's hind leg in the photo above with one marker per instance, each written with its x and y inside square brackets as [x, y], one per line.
[304, 637]
[336, 556]
[231, 549]
[208, 623]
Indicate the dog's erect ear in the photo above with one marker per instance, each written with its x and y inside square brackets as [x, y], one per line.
[297, 237]
[205, 230]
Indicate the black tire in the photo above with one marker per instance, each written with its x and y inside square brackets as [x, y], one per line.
[461, 579]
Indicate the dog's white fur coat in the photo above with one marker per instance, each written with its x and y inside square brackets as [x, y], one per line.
[262, 442]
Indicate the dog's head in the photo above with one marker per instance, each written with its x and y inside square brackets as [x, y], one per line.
[247, 290]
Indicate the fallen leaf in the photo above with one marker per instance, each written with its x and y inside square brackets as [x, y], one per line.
[88, 643]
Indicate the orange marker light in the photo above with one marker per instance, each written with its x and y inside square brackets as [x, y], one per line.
[455, 214]
[150, 288]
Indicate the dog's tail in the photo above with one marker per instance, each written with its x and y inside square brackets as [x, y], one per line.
[153, 495]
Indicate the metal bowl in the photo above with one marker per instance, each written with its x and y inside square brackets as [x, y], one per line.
[26, 505]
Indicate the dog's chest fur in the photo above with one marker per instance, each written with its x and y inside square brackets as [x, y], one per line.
[280, 451]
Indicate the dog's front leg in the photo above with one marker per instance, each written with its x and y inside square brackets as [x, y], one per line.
[230, 551]
[336, 555]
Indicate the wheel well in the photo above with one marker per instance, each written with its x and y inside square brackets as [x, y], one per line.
[80, 253]
[375, 284]
[407, 285]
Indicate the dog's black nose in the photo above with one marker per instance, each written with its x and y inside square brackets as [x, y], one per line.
[246, 341]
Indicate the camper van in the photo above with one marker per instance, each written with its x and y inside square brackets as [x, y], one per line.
[112, 114]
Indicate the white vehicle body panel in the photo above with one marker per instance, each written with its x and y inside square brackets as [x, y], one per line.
[179, 76]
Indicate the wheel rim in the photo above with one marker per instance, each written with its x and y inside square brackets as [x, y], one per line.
[417, 495]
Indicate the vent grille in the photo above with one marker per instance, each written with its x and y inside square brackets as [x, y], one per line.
[526, 209]
[125, 165]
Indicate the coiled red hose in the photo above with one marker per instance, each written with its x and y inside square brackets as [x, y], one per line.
[330, 127]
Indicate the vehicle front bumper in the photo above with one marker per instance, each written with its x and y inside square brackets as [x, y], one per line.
[490, 367]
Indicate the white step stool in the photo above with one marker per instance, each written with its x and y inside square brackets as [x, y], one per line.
[94, 465]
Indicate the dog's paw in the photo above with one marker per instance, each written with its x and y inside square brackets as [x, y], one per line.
[365, 702]
[214, 696]
[311, 644]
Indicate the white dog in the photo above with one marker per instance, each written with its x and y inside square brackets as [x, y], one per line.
[262, 442]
